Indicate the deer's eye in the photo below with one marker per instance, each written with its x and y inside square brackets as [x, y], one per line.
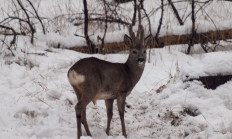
[134, 52]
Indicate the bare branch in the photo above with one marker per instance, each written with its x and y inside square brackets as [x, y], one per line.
[160, 24]
[147, 16]
[176, 12]
[28, 21]
[37, 15]
[135, 11]
[14, 33]
[106, 26]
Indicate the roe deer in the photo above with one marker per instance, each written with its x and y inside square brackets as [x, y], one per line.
[94, 79]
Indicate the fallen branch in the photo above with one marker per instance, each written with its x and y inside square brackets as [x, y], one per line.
[110, 20]
[41, 54]
[200, 38]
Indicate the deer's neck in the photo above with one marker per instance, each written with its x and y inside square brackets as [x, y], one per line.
[135, 72]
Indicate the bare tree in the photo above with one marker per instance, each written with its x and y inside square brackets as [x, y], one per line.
[191, 43]
[105, 30]
[25, 19]
[88, 41]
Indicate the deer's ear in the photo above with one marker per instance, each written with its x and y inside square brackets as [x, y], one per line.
[148, 40]
[128, 40]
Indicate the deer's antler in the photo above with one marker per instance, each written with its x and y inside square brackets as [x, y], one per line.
[132, 34]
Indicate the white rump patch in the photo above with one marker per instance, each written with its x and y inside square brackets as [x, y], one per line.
[75, 78]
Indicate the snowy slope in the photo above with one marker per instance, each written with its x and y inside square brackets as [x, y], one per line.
[39, 103]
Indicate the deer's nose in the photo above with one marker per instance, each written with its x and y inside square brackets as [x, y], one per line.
[141, 60]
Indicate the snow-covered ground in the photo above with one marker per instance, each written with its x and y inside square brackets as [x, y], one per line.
[37, 102]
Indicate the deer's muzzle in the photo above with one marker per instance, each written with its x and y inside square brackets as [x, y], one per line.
[141, 61]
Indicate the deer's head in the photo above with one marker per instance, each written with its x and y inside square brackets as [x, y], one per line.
[137, 46]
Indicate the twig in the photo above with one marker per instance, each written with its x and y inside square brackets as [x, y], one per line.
[37, 15]
[14, 33]
[176, 12]
[160, 23]
[106, 26]
[28, 21]
[44, 102]
[145, 12]
[110, 20]
[135, 11]
[41, 54]
[8, 47]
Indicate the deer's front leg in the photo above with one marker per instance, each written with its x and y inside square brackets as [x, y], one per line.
[121, 108]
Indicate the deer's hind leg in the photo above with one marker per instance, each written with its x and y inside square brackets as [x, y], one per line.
[78, 118]
[109, 109]
[87, 91]
[80, 109]
[84, 122]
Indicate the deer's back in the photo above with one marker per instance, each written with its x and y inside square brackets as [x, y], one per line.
[104, 78]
